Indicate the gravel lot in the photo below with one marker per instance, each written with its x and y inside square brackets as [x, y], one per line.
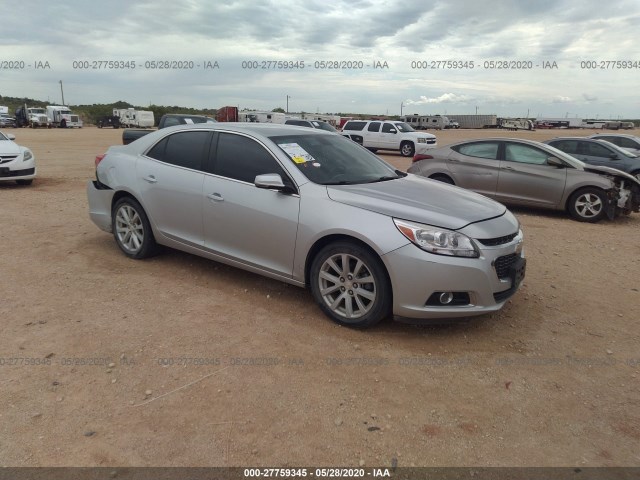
[180, 361]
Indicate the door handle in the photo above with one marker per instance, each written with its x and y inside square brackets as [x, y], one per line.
[216, 197]
[150, 179]
[508, 168]
[454, 160]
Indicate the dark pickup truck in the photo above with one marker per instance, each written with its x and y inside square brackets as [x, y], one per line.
[167, 120]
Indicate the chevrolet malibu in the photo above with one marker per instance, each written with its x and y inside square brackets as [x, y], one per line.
[315, 210]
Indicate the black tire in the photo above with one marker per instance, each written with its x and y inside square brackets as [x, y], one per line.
[636, 174]
[588, 205]
[129, 208]
[24, 182]
[63, 124]
[407, 149]
[99, 124]
[358, 304]
[442, 178]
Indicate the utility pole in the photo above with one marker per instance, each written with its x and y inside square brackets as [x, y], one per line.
[288, 97]
[62, 92]
[401, 105]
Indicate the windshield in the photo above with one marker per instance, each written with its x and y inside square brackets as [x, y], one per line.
[326, 126]
[404, 127]
[619, 150]
[334, 160]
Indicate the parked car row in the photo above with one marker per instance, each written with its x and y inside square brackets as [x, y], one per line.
[528, 173]
[367, 239]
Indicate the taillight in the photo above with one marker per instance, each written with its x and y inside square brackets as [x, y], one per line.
[418, 157]
[99, 158]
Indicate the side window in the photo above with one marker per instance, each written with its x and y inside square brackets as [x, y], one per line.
[171, 121]
[184, 149]
[567, 146]
[387, 127]
[515, 152]
[623, 142]
[242, 158]
[356, 126]
[595, 150]
[481, 150]
[374, 127]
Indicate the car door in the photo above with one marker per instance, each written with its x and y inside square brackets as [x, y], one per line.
[476, 166]
[170, 178]
[526, 178]
[242, 222]
[372, 137]
[389, 137]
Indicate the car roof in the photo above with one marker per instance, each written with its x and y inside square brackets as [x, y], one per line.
[614, 135]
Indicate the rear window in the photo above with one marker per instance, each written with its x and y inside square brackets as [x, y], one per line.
[183, 149]
[354, 126]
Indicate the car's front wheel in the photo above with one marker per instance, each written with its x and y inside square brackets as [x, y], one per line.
[407, 149]
[588, 205]
[350, 284]
[132, 230]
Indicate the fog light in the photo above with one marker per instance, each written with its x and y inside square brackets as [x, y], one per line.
[445, 298]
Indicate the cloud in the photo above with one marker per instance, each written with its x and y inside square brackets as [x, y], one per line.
[561, 99]
[589, 98]
[444, 98]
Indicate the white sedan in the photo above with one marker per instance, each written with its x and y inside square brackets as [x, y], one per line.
[17, 163]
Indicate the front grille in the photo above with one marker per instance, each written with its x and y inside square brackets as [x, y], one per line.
[494, 242]
[7, 159]
[503, 264]
[74, 118]
[431, 141]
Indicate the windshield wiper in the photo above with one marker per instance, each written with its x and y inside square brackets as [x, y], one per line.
[343, 182]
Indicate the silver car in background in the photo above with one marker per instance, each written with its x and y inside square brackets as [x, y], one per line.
[528, 173]
[315, 209]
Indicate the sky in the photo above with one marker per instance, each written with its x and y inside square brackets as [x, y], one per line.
[392, 55]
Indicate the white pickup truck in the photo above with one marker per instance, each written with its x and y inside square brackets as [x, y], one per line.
[389, 135]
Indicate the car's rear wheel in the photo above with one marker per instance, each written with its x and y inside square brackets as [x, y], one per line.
[588, 205]
[24, 182]
[636, 174]
[407, 149]
[132, 230]
[350, 285]
[443, 179]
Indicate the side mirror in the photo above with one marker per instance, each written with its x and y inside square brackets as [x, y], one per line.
[272, 181]
[393, 130]
[555, 162]
[614, 156]
[11, 136]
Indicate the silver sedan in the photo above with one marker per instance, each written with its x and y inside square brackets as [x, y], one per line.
[313, 209]
[528, 173]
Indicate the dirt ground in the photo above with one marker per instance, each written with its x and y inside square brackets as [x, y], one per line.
[180, 361]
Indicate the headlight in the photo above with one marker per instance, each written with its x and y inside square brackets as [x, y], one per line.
[437, 240]
[27, 155]
[422, 140]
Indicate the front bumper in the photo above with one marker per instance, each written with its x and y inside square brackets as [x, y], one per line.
[489, 280]
[423, 148]
[18, 169]
[100, 205]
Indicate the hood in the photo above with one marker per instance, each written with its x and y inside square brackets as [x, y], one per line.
[421, 200]
[610, 171]
[7, 147]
